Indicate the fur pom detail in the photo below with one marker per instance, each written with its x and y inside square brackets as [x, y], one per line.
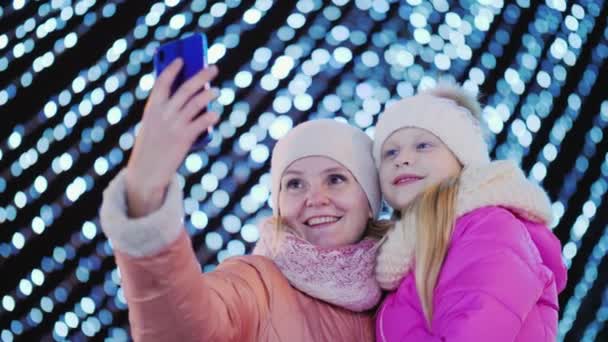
[451, 90]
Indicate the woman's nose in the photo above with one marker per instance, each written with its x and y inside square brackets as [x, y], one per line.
[317, 197]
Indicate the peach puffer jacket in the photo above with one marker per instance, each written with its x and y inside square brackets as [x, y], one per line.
[243, 299]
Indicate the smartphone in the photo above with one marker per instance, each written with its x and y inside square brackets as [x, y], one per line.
[192, 49]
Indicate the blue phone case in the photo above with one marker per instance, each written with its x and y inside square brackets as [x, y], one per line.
[193, 52]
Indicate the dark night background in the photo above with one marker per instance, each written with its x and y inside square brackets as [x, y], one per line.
[75, 76]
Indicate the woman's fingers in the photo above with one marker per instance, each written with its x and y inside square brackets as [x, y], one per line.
[196, 104]
[192, 86]
[162, 88]
[202, 123]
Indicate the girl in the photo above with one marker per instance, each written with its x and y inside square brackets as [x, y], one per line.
[314, 279]
[471, 257]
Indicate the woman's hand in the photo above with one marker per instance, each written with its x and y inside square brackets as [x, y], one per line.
[169, 127]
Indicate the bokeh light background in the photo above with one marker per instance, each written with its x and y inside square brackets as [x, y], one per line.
[75, 75]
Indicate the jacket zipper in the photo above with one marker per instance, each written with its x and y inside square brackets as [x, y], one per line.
[382, 322]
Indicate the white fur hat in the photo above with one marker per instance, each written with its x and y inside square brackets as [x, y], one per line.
[447, 111]
[345, 144]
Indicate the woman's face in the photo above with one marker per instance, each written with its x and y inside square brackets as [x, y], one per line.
[322, 201]
[413, 159]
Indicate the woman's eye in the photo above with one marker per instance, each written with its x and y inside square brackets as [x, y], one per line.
[294, 184]
[337, 179]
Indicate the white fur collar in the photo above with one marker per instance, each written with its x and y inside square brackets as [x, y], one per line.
[503, 183]
[499, 183]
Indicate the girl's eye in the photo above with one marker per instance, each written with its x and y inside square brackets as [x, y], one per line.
[423, 146]
[390, 153]
[337, 179]
[294, 184]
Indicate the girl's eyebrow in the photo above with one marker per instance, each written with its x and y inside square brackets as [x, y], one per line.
[425, 135]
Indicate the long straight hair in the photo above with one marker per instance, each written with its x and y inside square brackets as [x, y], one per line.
[434, 212]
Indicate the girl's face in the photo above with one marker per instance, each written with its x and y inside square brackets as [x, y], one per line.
[323, 202]
[412, 159]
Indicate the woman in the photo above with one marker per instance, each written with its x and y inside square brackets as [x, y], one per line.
[312, 278]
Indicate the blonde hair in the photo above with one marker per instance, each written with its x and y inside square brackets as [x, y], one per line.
[434, 212]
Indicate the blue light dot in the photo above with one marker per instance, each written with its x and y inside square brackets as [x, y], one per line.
[199, 219]
[126, 141]
[20, 199]
[71, 319]
[7, 336]
[570, 250]
[332, 103]
[8, 303]
[61, 329]
[235, 248]
[370, 59]
[37, 277]
[220, 170]
[269, 82]
[442, 61]
[550, 152]
[280, 127]
[36, 315]
[262, 54]
[303, 102]
[17, 327]
[260, 153]
[247, 141]
[281, 104]
[422, 36]
[250, 233]
[220, 198]
[243, 79]
[342, 55]
[14, 140]
[177, 21]
[539, 171]
[18, 240]
[213, 241]
[37, 225]
[89, 230]
[46, 304]
[101, 166]
[193, 163]
[209, 182]
[231, 224]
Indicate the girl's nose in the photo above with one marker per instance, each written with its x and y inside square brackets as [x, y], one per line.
[403, 160]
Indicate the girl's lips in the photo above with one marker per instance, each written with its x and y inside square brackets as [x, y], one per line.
[406, 179]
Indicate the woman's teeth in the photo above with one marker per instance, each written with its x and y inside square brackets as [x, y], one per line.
[321, 220]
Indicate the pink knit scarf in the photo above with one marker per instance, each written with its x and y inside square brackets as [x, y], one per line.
[343, 276]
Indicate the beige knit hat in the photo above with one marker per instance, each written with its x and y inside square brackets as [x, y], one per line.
[447, 111]
[339, 141]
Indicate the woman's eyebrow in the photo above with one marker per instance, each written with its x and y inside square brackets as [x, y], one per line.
[334, 169]
[294, 172]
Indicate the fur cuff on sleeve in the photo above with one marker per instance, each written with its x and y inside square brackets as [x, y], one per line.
[143, 236]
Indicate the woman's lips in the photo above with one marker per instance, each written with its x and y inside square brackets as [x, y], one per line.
[322, 221]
